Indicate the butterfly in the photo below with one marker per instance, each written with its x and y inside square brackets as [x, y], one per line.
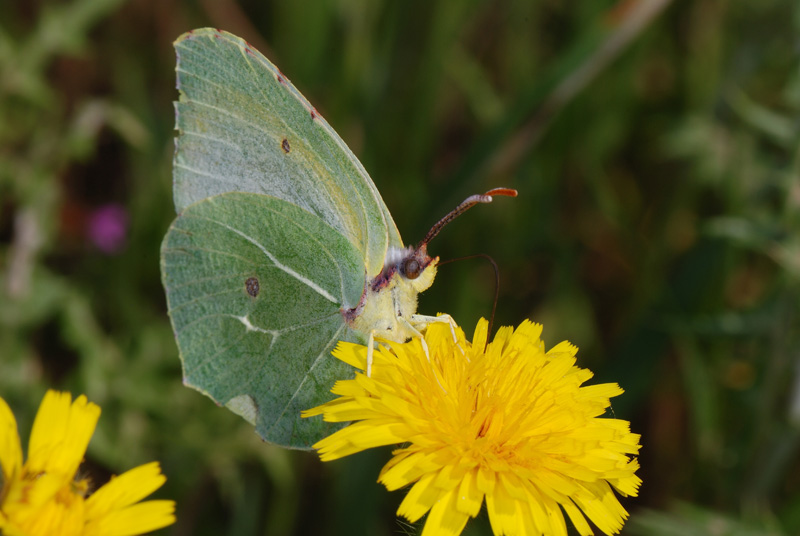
[282, 245]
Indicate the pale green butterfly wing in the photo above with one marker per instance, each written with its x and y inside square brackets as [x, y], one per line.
[244, 127]
[279, 230]
[255, 286]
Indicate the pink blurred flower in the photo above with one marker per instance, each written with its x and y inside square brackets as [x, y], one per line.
[108, 228]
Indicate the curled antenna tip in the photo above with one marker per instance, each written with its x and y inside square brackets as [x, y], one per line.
[508, 192]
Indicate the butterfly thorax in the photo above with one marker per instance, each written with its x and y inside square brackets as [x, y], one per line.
[390, 298]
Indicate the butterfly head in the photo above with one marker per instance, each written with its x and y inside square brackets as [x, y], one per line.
[389, 300]
[413, 266]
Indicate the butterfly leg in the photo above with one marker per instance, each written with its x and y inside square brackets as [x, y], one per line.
[424, 320]
[370, 352]
[413, 329]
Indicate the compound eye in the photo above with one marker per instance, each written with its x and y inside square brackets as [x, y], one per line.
[411, 268]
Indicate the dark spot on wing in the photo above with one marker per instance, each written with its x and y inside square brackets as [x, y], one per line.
[314, 113]
[252, 286]
[285, 146]
[280, 78]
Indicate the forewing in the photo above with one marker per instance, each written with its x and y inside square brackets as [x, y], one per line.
[242, 126]
[254, 288]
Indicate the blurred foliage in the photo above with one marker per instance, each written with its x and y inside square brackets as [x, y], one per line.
[655, 148]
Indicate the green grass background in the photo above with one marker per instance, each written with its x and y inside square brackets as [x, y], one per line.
[656, 148]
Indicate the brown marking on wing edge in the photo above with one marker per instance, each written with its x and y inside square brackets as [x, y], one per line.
[285, 146]
[351, 314]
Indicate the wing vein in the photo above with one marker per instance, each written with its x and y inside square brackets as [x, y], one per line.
[228, 113]
[210, 138]
[323, 248]
[199, 172]
[319, 357]
[278, 264]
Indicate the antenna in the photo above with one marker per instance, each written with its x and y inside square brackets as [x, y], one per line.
[465, 205]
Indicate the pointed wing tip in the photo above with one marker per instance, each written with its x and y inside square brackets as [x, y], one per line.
[200, 32]
[191, 34]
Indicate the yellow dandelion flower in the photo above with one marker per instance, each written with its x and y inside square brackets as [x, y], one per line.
[43, 496]
[508, 423]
